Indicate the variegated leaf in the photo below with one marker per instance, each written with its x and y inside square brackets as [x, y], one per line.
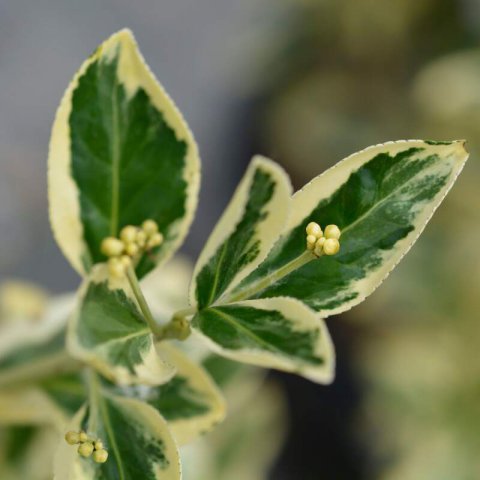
[381, 198]
[279, 333]
[120, 153]
[190, 402]
[245, 233]
[136, 437]
[108, 331]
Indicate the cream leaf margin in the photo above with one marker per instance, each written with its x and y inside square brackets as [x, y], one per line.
[268, 230]
[133, 73]
[302, 319]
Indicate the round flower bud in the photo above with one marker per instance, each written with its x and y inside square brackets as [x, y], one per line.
[98, 445]
[111, 247]
[314, 229]
[150, 227]
[85, 449]
[125, 260]
[72, 438]
[141, 238]
[319, 246]
[116, 268]
[332, 231]
[331, 246]
[128, 234]
[311, 239]
[131, 249]
[83, 437]
[155, 240]
[100, 456]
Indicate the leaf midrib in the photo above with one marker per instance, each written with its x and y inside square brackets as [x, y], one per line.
[114, 219]
[231, 320]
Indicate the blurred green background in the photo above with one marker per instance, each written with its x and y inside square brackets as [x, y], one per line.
[305, 82]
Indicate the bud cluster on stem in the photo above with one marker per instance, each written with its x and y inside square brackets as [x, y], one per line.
[323, 243]
[132, 244]
[88, 446]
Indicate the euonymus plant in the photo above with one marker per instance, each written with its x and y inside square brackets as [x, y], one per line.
[124, 175]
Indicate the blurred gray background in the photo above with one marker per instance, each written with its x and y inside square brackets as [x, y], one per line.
[205, 52]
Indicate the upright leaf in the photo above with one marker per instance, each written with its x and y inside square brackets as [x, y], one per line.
[108, 331]
[120, 153]
[381, 198]
[245, 233]
[279, 333]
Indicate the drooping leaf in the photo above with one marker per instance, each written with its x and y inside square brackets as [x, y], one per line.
[120, 153]
[135, 435]
[245, 233]
[279, 333]
[381, 198]
[108, 331]
[190, 402]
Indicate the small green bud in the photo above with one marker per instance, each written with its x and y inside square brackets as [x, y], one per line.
[100, 456]
[72, 438]
[85, 449]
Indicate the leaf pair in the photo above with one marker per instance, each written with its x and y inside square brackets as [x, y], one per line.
[259, 301]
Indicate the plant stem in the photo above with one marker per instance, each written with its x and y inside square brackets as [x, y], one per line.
[186, 312]
[306, 257]
[142, 303]
[55, 364]
[93, 388]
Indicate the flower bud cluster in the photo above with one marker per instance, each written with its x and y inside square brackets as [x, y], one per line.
[88, 447]
[323, 243]
[133, 242]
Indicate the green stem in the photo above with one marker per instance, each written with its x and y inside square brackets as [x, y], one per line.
[186, 312]
[142, 303]
[306, 257]
[33, 372]
[93, 391]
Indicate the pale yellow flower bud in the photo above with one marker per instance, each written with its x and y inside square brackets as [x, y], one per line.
[112, 247]
[155, 240]
[331, 246]
[100, 456]
[72, 438]
[311, 239]
[116, 268]
[319, 246]
[125, 260]
[83, 437]
[85, 449]
[141, 238]
[150, 227]
[332, 231]
[128, 234]
[314, 229]
[98, 445]
[131, 249]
